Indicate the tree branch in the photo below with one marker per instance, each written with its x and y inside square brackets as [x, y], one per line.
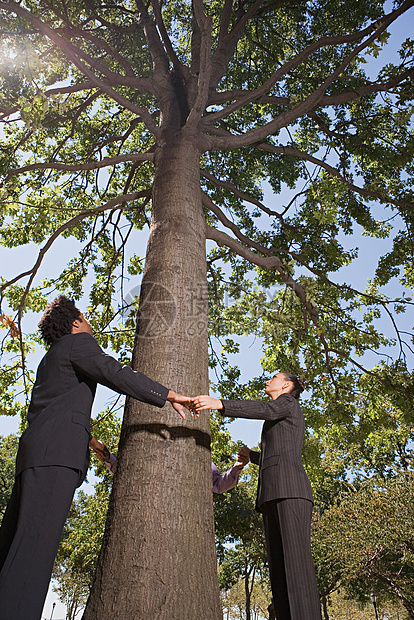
[93, 165]
[306, 105]
[159, 57]
[217, 98]
[119, 200]
[178, 65]
[200, 103]
[245, 98]
[240, 194]
[226, 46]
[273, 262]
[265, 262]
[72, 30]
[72, 54]
[290, 150]
[225, 20]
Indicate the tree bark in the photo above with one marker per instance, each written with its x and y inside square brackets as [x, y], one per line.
[158, 556]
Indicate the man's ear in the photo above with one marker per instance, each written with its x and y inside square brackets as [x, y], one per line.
[75, 326]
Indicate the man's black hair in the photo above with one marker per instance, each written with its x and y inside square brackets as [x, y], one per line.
[57, 319]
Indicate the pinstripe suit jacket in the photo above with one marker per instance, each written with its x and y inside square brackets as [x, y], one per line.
[281, 473]
[62, 397]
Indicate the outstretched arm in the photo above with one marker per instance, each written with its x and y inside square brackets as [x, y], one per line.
[102, 454]
[228, 480]
[88, 357]
[179, 401]
[279, 408]
[243, 457]
[206, 402]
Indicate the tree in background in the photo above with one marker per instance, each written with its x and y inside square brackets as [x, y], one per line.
[365, 543]
[182, 113]
[341, 606]
[234, 601]
[238, 528]
[8, 450]
[79, 548]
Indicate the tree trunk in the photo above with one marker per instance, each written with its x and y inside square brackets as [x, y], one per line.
[158, 556]
[325, 608]
[248, 589]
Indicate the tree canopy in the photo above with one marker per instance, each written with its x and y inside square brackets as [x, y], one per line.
[276, 95]
[264, 127]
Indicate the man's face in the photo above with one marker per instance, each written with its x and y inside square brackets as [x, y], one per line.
[81, 325]
[277, 385]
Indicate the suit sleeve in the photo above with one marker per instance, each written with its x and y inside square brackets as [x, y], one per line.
[276, 409]
[255, 457]
[88, 358]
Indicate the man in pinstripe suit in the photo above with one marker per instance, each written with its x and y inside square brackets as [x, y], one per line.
[284, 494]
[53, 455]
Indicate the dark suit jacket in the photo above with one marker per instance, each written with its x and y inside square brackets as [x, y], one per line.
[62, 397]
[281, 473]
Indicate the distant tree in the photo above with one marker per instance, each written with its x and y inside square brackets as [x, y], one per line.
[233, 601]
[79, 548]
[365, 543]
[238, 527]
[8, 450]
[341, 606]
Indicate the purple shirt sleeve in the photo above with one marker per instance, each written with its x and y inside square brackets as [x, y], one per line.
[111, 464]
[221, 483]
[226, 481]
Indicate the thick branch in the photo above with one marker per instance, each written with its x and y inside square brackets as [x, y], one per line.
[122, 200]
[227, 44]
[265, 262]
[200, 103]
[178, 65]
[216, 98]
[233, 227]
[72, 30]
[100, 43]
[273, 262]
[225, 20]
[140, 86]
[246, 97]
[92, 165]
[309, 103]
[155, 47]
[290, 150]
[367, 89]
[72, 53]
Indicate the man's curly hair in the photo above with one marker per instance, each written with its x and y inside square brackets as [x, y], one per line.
[57, 319]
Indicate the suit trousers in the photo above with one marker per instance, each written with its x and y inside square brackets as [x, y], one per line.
[287, 525]
[29, 538]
